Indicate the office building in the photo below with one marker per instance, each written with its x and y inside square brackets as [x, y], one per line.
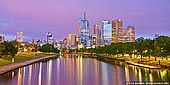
[84, 32]
[129, 34]
[117, 31]
[96, 35]
[71, 39]
[107, 32]
[19, 36]
[50, 39]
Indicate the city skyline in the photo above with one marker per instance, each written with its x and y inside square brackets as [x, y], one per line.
[35, 19]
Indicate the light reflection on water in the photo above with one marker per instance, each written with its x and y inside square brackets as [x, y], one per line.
[80, 71]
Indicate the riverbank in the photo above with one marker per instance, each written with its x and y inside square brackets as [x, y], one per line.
[163, 64]
[6, 68]
[22, 56]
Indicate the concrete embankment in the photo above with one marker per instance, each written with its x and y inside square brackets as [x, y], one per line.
[142, 65]
[6, 68]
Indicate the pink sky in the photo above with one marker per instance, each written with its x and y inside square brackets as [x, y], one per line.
[36, 17]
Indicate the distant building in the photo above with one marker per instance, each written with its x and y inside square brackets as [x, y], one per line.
[64, 43]
[94, 41]
[84, 32]
[71, 39]
[107, 32]
[19, 36]
[96, 35]
[2, 39]
[129, 34]
[41, 42]
[50, 39]
[117, 31]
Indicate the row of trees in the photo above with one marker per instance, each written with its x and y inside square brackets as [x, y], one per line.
[157, 47]
[10, 48]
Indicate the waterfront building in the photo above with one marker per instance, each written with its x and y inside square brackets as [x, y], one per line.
[19, 36]
[84, 32]
[107, 32]
[117, 31]
[129, 34]
[2, 39]
[71, 40]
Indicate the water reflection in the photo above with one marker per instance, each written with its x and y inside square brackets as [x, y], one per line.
[73, 70]
[40, 74]
[20, 76]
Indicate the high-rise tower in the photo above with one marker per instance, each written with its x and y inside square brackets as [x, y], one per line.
[117, 31]
[84, 31]
[50, 39]
[97, 35]
[107, 32]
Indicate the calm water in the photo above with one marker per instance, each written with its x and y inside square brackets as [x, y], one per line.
[80, 71]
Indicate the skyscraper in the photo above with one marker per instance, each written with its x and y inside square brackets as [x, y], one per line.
[19, 37]
[84, 32]
[117, 31]
[50, 39]
[107, 32]
[129, 34]
[96, 35]
[71, 39]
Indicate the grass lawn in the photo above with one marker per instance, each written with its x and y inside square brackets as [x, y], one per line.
[4, 62]
[22, 56]
[46, 54]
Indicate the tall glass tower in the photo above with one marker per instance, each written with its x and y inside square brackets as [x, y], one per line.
[107, 32]
[84, 32]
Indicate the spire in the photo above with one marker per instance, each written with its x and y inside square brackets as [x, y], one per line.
[32, 41]
[84, 15]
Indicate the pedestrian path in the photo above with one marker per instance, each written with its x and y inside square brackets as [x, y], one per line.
[13, 66]
[142, 65]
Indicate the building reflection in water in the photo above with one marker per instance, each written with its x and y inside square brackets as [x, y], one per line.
[20, 76]
[127, 74]
[150, 78]
[30, 75]
[23, 80]
[96, 72]
[40, 74]
[104, 74]
[49, 71]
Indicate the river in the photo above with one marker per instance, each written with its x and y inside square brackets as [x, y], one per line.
[81, 71]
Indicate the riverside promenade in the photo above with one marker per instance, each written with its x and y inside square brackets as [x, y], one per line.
[142, 65]
[13, 66]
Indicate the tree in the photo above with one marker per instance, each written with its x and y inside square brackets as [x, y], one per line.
[48, 48]
[9, 48]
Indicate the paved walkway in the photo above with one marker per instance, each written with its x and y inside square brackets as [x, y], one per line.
[13, 66]
[142, 65]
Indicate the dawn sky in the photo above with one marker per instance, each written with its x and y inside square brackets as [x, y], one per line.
[36, 17]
